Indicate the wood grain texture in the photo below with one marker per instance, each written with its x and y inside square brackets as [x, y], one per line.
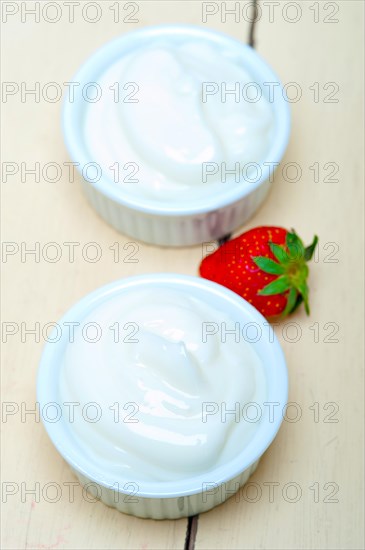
[305, 452]
[308, 452]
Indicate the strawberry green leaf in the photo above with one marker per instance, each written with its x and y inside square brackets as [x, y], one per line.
[295, 246]
[280, 285]
[291, 303]
[299, 300]
[308, 253]
[268, 265]
[304, 291]
[279, 252]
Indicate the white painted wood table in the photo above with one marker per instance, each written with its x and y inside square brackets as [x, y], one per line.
[315, 46]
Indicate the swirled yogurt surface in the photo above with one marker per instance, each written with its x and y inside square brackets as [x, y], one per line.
[174, 119]
[153, 377]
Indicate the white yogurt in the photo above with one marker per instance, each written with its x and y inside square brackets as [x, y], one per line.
[162, 139]
[161, 376]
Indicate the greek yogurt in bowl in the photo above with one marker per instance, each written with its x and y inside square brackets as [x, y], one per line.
[168, 396]
[177, 127]
[165, 371]
[178, 142]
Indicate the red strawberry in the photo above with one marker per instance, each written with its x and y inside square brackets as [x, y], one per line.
[267, 266]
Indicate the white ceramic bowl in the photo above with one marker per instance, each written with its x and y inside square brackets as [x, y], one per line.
[175, 223]
[160, 500]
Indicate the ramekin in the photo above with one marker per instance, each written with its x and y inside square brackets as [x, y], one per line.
[176, 499]
[171, 223]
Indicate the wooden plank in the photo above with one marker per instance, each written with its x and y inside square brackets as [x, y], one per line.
[308, 453]
[41, 292]
[305, 452]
